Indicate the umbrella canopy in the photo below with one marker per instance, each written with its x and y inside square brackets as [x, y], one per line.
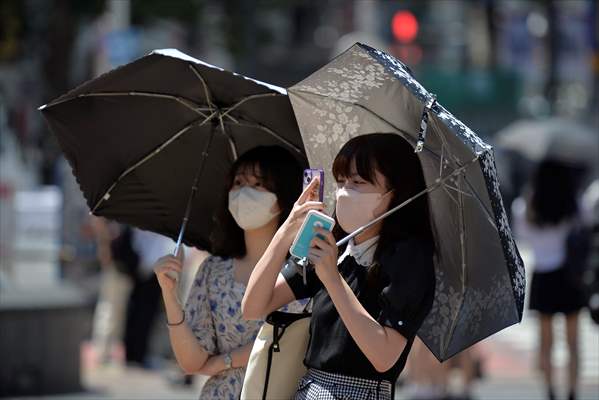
[552, 138]
[480, 275]
[141, 139]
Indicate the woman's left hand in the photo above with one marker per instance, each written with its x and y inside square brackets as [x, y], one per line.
[323, 255]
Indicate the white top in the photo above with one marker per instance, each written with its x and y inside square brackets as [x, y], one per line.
[547, 244]
[363, 253]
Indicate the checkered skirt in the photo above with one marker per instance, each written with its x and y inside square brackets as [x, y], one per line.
[320, 385]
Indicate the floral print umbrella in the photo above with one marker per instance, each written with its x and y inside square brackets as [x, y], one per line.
[480, 275]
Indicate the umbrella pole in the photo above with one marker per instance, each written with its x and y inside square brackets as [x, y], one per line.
[194, 189]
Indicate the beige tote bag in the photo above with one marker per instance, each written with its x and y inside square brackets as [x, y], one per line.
[276, 361]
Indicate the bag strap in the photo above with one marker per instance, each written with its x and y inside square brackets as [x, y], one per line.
[268, 366]
[280, 321]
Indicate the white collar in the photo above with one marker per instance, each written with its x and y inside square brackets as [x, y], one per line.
[363, 253]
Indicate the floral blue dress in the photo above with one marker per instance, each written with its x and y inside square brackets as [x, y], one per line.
[213, 313]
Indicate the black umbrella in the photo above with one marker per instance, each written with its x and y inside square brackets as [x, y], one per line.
[144, 138]
[480, 276]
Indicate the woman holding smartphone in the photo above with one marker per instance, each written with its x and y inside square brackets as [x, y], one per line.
[370, 299]
[209, 335]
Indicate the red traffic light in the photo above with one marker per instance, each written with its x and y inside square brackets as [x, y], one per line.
[404, 26]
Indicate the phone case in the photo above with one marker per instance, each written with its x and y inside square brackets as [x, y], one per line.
[301, 244]
[309, 174]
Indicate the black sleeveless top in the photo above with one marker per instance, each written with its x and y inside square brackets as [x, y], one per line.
[401, 298]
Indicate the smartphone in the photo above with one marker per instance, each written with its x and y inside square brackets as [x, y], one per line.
[301, 244]
[311, 173]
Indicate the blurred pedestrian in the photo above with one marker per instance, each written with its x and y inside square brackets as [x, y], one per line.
[429, 379]
[591, 276]
[544, 219]
[144, 300]
[115, 286]
[209, 336]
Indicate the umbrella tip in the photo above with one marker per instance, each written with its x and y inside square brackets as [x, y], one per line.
[40, 108]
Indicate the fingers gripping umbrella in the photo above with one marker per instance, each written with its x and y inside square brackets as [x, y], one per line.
[480, 276]
[144, 138]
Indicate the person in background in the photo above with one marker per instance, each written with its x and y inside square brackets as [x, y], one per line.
[429, 379]
[542, 221]
[144, 300]
[209, 336]
[117, 260]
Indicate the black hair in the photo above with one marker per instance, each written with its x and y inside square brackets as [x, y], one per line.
[394, 158]
[281, 174]
[554, 191]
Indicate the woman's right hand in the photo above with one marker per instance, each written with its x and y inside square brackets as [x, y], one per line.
[166, 268]
[304, 203]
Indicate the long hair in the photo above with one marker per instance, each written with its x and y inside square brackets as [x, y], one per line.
[281, 174]
[395, 159]
[554, 190]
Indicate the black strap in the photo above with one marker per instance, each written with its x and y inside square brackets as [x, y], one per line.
[268, 365]
[280, 321]
[284, 319]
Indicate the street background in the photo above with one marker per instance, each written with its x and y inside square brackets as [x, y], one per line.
[490, 62]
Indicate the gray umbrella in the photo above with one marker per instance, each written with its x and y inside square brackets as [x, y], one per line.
[480, 275]
[555, 138]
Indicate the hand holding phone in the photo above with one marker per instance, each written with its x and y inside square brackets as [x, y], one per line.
[301, 244]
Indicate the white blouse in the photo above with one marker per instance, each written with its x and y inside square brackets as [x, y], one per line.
[547, 244]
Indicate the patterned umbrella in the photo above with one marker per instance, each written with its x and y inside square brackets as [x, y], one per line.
[480, 275]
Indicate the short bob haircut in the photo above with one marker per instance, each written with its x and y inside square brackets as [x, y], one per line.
[395, 159]
[281, 174]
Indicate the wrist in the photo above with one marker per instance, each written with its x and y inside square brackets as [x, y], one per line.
[170, 296]
[284, 236]
[332, 281]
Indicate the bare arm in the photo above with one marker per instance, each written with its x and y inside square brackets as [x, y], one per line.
[267, 290]
[380, 344]
[190, 356]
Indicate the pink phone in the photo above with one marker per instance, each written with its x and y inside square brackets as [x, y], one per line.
[309, 174]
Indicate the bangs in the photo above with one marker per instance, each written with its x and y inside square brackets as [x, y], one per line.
[257, 169]
[249, 168]
[362, 153]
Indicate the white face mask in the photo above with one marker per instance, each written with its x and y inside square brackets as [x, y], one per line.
[252, 208]
[355, 209]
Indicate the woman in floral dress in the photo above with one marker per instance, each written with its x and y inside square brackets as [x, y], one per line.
[209, 335]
